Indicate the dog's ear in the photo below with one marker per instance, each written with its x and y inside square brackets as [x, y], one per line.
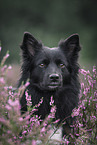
[30, 45]
[71, 45]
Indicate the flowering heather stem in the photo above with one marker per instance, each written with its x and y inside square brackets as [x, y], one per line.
[86, 125]
[4, 59]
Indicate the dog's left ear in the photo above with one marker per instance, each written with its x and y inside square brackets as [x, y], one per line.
[71, 45]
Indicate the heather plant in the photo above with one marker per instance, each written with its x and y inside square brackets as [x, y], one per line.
[85, 129]
[29, 129]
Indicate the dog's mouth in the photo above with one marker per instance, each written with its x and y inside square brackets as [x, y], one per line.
[54, 86]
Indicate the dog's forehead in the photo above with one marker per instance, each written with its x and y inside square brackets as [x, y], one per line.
[52, 50]
[53, 53]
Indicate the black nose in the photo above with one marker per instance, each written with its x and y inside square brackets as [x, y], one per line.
[54, 77]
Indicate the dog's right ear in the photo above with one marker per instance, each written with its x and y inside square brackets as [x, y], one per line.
[30, 45]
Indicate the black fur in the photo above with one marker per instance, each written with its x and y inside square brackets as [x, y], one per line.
[51, 71]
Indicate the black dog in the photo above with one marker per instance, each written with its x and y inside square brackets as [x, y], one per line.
[51, 71]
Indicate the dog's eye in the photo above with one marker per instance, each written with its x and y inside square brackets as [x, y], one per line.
[42, 65]
[61, 65]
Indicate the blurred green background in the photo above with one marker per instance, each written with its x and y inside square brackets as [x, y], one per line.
[49, 21]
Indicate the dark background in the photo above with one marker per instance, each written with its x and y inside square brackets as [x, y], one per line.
[49, 21]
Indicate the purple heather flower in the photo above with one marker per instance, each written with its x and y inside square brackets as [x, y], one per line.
[13, 103]
[94, 69]
[24, 132]
[82, 85]
[82, 71]
[43, 130]
[56, 121]
[52, 101]
[2, 120]
[21, 119]
[34, 142]
[0, 48]
[6, 56]
[10, 67]
[53, 109]
[8, 107]
[75, 112]
[2, 81]
[3, 68]
[41, 100]
[28, 99]
[27, 84]
[34, 110]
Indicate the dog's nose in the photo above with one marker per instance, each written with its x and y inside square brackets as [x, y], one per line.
[54, 77]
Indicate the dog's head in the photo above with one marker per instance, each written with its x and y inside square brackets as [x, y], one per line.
[49, 68]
